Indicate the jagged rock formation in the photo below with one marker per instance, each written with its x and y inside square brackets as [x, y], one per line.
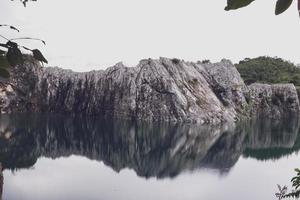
[155, 90]
[274, 100]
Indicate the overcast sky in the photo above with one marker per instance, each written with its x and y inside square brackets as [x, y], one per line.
[96, 34]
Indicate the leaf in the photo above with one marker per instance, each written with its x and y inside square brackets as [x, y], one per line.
[14, 56]
[278, 195]
[4, 73]
[282, 5]
[11, 27]
[284, 190]
[3, 62]
[3, 45]
[2, 52]
[39, 56]
[14, 28]
[279, 187]
[29, 38]
[26, 48]
[236, 4]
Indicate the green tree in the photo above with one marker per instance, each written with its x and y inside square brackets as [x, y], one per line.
[268, 70]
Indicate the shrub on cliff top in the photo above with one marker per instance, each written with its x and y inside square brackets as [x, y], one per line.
[269, 70]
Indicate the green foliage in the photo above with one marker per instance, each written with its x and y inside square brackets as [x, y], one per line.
[3, 62]
[14, 55]
[236, 4]
[295, 193]
[282, 192]
[11, 55]
[4, 67]
[11, 27]
[39, 56]
[4, 73]
[175, 61]
[269, 70]
[205, 61]
[281, 5]
[296, 179]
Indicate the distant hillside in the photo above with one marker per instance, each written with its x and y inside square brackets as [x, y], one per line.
[268, 70]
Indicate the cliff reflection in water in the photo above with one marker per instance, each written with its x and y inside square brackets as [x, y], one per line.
[151, 150]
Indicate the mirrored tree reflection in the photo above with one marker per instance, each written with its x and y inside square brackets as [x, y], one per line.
[151, 150]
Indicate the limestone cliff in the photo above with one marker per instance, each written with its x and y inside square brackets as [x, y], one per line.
[273, 101]
[154, 90]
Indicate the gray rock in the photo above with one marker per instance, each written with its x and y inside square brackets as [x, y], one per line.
[154, 90]
[273, 101]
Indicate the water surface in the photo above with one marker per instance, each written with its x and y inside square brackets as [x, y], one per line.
[59, 157]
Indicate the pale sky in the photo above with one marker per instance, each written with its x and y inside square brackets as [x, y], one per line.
[96, 34]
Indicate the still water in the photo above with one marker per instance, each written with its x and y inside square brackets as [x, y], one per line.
[57, 157]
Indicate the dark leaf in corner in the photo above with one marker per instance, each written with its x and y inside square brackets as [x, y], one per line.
[39, 56]
[235, 4]
[14, 56]
[4, 73]
[282, 5]
[3, 62]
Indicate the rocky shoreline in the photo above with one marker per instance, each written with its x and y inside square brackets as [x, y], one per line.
[155, 90]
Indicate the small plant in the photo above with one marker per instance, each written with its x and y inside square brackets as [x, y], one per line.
[282, 192]
[205, 61]
[175, 61]
[193, 82]
[295, 193]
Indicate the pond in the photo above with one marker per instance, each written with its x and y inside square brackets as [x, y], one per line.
[53, 157]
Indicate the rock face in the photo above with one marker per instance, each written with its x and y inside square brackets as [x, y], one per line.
[154, 90]
[273, 101]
